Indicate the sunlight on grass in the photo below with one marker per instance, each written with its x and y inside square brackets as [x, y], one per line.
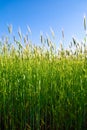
[42, 87]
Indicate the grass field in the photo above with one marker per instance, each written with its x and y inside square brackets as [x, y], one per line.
[41, 87]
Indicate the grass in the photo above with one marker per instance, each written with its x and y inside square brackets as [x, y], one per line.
[42, 88]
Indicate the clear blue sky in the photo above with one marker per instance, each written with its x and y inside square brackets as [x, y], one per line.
[42, 14]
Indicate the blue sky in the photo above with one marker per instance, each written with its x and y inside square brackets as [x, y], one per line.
[40, 15]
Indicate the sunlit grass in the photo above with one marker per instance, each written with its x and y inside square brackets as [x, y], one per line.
[42, 87]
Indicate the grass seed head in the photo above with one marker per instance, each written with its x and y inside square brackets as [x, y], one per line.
[62, 33]
[52, 32]
[10, 28]
[28, 28]
[84, 22]
[74, 41]
[19, 33]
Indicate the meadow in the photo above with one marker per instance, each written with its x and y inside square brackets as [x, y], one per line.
[42, 87]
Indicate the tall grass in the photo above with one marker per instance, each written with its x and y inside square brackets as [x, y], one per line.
[42, 88]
